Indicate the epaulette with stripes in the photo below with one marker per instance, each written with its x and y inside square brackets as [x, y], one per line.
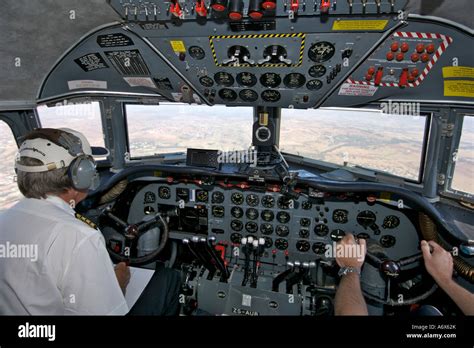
[86, 221]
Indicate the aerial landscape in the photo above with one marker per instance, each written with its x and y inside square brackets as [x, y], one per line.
[372, 140]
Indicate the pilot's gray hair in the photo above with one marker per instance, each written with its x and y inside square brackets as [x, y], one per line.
[40, 185]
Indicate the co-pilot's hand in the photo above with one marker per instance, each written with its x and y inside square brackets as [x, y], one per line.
[438, 262]
[353, 252]
[122, 272]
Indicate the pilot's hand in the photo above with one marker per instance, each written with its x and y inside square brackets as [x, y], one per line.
[122, 272]
[353, 252]
[438, 263]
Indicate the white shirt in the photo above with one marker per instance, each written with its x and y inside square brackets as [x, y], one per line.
[73, 273]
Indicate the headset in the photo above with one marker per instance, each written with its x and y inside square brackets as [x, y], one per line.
[82, 170]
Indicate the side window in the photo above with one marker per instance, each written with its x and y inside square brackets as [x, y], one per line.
[464, 159]
[9, 193]
[85, 118]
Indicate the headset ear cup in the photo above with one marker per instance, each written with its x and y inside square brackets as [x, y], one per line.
[82, 172]
[70, 173]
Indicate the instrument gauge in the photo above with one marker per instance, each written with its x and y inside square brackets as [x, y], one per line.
[303, 246]
[306, 205]
[251, 227]
[236, 225]
[268, 201]
[217, 197]
[270, 80]
[248, 95]
[283, 217]
[223, 79]
[202, 196]
[319, 248]
[321, 230]
[237, 198]
[252, 200]
[164, 192]
[314, 85]
[236, 238]
[149, 210]
[227, 94]
[281, 244]
[304, 233]
[390, 222]
[363, 235]
[282, 230]
[285, 202]
[150, 197]
[218, 211]
[340, 216]
[317, 70]
[246, 79]
[366, 218]
[268, 242]
[305, 222]
[387, 241]
[270, 95]
[294, 80]
[206, 81]
[337, 235]
[267, 215]
[266, 228]
[251, 213]
[196, 52]
[321, 51]
[237, 212]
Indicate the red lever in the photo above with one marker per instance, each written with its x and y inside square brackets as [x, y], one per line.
[325, 5]
[295, 5]
[201, 9]
[175, 9]
[403, 78]
[378, 76]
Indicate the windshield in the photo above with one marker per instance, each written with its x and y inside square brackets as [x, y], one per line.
[367, 138]
[169, 128]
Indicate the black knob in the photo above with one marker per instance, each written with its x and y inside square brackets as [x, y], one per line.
[390, 268]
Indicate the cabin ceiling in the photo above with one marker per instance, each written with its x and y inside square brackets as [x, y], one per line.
[36, 33]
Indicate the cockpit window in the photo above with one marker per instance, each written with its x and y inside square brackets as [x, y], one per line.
[9, 192]
[171, 128]
[464, 159]
[83, 117]
[355, 137]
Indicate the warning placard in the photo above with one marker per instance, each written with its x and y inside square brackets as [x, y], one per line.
[458, 71]
[355, 90]
[178, 46]
[359, 25]
[459, 88]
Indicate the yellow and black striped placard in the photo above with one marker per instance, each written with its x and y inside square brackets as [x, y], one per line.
[258, 36]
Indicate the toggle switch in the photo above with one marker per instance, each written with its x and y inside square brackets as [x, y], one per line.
[403, 78]
[201, 9]
[378, 76]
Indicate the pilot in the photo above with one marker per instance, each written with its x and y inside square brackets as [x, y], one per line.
[63, 267]
[438, 262]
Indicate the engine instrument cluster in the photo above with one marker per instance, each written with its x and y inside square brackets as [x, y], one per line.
[301, 229]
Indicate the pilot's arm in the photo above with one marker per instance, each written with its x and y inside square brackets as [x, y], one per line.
[349, 299]
[439, 263]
